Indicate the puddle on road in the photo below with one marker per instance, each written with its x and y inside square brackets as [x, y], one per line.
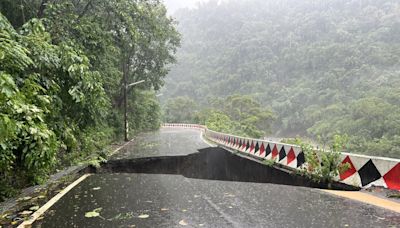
[214, 164]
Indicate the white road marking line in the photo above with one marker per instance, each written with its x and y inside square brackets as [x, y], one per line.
[206, 141]
[51, 202]
[57, 197]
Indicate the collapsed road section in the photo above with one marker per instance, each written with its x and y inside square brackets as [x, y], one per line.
[165, 180]
[215, 163]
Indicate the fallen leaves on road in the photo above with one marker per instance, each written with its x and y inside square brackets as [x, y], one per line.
[143, 216]
[34, 208]
[94, 213]
[25, 212]
[228, 195]
[122, 216]
[24, 198]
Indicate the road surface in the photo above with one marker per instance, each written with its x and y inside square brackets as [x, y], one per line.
[160, 200]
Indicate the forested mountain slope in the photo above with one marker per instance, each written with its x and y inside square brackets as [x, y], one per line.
[323, 67]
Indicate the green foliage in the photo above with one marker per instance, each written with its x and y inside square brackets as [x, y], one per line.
[293, 141]
[269, 162]
[322, 66]
[393, 195]
[240, 115]
[253, 119]
[325, 165]
[61, 82]
[218, 121]
[28, 145]
[180, 110]
[146, 110]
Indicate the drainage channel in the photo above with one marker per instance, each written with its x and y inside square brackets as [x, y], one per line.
[216, 163]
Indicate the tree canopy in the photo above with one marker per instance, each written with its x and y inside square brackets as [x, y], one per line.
[237, 114]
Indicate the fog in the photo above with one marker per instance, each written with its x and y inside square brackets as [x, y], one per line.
[288, 68]
[174, 5]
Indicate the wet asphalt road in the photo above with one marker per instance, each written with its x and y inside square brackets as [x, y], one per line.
[176, 201]
[167, 142]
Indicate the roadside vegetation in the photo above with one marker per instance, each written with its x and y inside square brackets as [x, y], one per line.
[322, 164]
[236, 114]
[325, 164]
[62, 68]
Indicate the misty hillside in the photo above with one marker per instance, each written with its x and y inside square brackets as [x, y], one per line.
[322, 67]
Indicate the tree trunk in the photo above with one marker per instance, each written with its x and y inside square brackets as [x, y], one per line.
[42, 7]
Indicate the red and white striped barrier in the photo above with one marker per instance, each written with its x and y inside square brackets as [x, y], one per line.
[284, 154]
[181, 125]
